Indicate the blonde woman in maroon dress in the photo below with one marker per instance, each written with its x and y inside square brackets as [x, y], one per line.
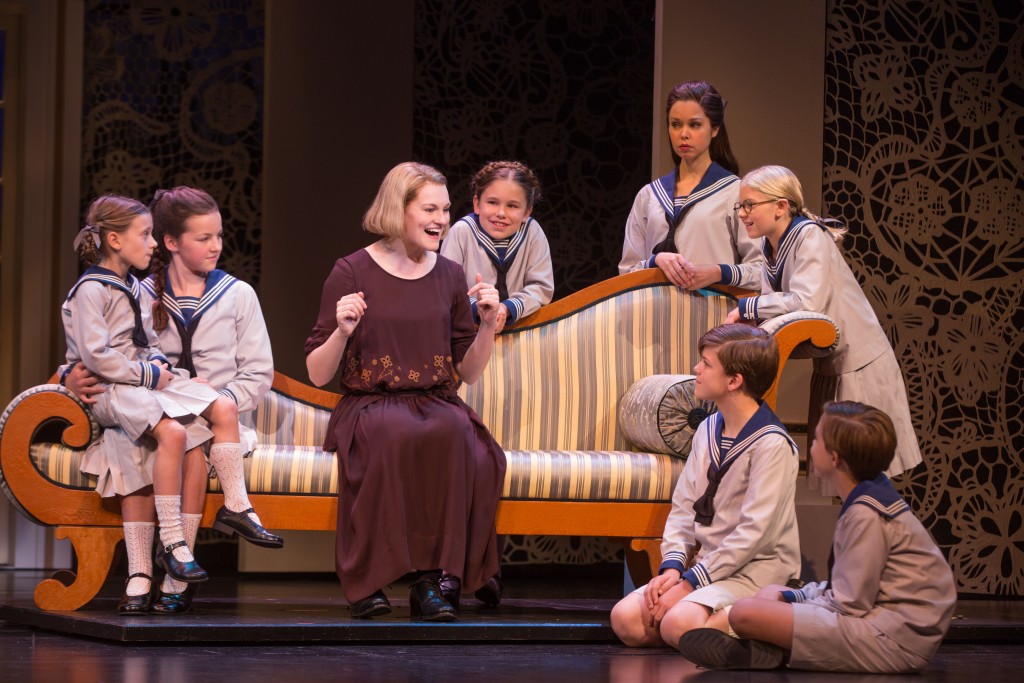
[419, 474]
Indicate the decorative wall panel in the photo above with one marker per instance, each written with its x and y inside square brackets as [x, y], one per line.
[563, 86]
[924, 151]
[174, 96]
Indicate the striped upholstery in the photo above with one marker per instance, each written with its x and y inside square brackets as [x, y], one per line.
[549, 395]
[558, 386]
[532, 475]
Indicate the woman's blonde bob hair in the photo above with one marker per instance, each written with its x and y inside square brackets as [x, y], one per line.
[782, 183]
[386, 215]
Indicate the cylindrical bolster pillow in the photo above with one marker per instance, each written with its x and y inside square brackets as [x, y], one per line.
[659, 414]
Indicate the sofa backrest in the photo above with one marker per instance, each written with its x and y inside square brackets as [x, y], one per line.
[556, 385]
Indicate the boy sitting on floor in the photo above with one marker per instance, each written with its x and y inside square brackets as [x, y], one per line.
[890, 591]
[733, 507]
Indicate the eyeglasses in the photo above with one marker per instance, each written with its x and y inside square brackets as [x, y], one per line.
[748, 205]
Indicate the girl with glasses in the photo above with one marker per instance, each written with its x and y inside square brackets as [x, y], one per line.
[804, 270]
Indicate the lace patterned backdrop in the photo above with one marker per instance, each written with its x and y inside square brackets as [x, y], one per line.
[173, 95]
[924, 152]
[564, 86]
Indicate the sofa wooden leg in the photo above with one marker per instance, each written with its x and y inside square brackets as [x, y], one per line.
[94, 548]
[643, 557]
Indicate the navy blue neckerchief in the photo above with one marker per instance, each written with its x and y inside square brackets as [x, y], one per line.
[878, 494]
[217, 283]
[775, 263]
[715, 179]
[501, 261]
[130, 287]
[761, 423]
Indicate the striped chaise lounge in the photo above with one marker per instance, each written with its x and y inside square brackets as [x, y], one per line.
[550, 395]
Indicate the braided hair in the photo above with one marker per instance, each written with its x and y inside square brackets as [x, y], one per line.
[171, 209]
[519, 173]
[107, 214]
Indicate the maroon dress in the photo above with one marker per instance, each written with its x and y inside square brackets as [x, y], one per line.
[419, 475]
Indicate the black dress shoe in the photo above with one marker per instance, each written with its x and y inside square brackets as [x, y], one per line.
[490, 592]
[241, 523]
[374, 606]
[189, 572]
[427, 603]
[136, 604]
[451, 589]
[717, 650]
[174, 603]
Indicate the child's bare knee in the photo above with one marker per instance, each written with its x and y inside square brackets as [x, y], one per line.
[171, 434]
[627, 622]
[223, 411]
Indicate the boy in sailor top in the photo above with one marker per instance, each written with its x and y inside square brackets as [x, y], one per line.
[890, 594]
[732, 529]
[502, 242]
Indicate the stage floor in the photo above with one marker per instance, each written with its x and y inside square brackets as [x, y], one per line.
[255, 628]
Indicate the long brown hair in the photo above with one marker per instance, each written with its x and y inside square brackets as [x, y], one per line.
[713, 104]
[171, 209]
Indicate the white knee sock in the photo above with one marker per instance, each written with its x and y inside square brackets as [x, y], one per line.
[138, 541]
[168, 511]
[226, 459]
[190, 522]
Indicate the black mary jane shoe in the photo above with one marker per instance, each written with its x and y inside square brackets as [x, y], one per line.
[241, 523]
[376, 605]
[427, 603]
[189, 572]
[174, 603]
[132, 605]
[490, 592]
[451, 589]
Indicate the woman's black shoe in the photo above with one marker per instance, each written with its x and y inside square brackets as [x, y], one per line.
[426, 602]
[451, 589]
[490, 592]
[189, 572]
[241, 523]
[136, 604]
[374, 606]
[175, 603]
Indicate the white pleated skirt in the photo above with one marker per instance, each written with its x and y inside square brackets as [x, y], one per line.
[879, 384]
[122, 457]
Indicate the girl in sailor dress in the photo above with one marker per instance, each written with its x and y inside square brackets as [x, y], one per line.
[502, 242]
[805, 271]
[211, 325]
[684, 221]
[110, 333]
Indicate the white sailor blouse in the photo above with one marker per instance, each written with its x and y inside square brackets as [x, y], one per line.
[221, 337]
[752, 529]
[708, 229]
[522, 263]
[809, 274]
[124, 350]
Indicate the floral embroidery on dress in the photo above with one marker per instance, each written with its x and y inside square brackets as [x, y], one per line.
[384, 371]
